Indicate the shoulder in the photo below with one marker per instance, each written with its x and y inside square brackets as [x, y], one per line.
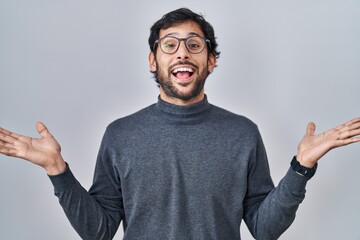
[132, 121]
[234, 125]
[231, 119]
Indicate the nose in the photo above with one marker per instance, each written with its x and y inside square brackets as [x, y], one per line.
[182, 52]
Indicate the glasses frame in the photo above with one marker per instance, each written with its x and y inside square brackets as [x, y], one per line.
[206, 41]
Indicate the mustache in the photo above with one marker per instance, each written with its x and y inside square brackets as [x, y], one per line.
[183, 63]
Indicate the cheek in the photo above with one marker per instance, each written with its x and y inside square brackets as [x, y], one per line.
[162, 62]
[202, 62]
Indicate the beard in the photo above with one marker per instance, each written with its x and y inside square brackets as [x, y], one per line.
[163, 78]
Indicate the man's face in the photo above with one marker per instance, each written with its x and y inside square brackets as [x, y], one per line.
[182, 74]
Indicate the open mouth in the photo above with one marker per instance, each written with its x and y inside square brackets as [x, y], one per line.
[182, 72]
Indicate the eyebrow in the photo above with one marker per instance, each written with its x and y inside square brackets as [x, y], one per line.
[189, 34]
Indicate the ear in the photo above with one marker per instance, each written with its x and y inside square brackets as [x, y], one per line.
[152, 62]
[211, 62]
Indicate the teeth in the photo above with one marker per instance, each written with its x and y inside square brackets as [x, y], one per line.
[182, 70]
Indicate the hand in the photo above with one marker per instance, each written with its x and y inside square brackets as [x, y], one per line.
[44, 151]
[313, 147]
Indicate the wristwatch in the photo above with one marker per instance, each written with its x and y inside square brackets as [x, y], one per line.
[302, 170]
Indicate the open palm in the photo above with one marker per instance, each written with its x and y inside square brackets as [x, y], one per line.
[43, 151]
[312, 147]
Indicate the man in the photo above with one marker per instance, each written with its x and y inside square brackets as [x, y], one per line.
[181, 168]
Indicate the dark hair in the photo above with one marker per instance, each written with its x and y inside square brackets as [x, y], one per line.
[179, 16]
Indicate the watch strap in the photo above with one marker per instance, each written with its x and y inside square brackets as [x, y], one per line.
[302, 170]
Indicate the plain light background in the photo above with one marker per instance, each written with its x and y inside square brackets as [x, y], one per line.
[78, 65]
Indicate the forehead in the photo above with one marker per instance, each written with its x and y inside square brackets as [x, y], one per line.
[184, 29]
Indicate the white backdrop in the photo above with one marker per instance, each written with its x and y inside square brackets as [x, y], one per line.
[78, 65]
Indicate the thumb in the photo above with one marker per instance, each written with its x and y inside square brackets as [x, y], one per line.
[310, 129]
[42, 130]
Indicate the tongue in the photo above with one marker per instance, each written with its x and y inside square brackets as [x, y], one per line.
[182, 74]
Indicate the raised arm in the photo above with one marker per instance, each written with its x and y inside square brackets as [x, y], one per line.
[44, 151]
[269, 217]
[94, 215]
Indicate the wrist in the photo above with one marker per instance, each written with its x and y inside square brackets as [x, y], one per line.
[303, 170]
[306, 164]
[57, 167]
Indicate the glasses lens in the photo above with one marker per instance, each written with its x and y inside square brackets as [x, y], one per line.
[195, 44]
[169, 44]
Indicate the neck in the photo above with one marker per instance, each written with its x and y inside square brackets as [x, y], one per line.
[183, 114]
[180, 102]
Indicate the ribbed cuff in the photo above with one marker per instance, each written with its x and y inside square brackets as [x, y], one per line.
[63, 181]
[297, 182]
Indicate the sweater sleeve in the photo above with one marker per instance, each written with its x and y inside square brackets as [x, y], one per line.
[269, 211]
[97, 213]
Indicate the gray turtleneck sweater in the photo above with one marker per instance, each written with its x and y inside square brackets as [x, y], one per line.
[181, 172]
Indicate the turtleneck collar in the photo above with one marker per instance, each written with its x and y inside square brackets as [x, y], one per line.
[189, 114]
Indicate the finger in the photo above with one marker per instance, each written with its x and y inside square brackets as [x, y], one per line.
[310, 129]
[2, 145]
[349, 133]
[354, 126]
[348, 130]
[348, 124]
[8, 152]
[8, 133]
[42, 130]
[8, 137]
[7, 149]
[347, 141]
[355, 120]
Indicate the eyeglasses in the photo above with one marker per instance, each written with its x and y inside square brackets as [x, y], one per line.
[170, 44]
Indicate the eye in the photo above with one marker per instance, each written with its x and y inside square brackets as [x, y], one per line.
[169, 46]
[193, 45]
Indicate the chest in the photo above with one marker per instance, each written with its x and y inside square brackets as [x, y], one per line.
[188, 160]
